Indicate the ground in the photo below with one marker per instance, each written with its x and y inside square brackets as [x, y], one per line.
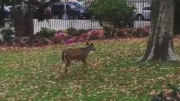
[37, 73]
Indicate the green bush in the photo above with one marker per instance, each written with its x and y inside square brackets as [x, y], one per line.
[109, 31]
[81, 31]
[71, 31]
[7, 34]
[46, 33]
[116, 13]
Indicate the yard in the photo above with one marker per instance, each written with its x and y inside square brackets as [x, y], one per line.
[113, 74]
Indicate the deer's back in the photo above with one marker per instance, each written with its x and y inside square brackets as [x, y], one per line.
[75, 54]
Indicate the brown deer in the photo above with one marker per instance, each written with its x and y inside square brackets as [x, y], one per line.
[78, 54]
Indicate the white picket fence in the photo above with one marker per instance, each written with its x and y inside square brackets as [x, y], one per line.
[58, 24]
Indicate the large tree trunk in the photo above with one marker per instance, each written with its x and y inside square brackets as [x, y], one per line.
[19, 21]
[160, 43]
[2, 17]
[29, 21]
[23, 20]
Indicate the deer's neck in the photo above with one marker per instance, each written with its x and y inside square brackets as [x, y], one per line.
[87, 50]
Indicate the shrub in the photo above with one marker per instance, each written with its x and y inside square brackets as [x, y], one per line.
[124, 33]
[109, 31]
[121, 33]
[46, 33]
[70, 41]
[112, 12]
[93, 37]
[46, 41]
[58, 37]
[81, 31]
[37, 43]
[71, 31]
[141, 32]
[7, 34]
[23, 42]
[63, 31]
[81, 40]
[84, 35]
[74, 32]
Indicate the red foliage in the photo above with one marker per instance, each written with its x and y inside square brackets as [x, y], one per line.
[64, 38]
[37, 43]
[141, 32]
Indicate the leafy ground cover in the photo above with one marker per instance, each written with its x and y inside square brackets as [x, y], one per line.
[113, 74]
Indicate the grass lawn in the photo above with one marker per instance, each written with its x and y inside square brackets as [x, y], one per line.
[37, 74]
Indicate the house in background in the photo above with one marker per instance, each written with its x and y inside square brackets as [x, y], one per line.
[139, 3]
[136, 3]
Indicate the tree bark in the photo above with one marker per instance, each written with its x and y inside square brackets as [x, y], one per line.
[160, 43]
[19, 21]
[2, 17]
[23, 21]
[29, 22]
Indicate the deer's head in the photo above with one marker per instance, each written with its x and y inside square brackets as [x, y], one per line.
[90, 47]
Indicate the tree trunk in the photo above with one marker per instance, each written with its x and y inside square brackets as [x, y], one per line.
[2, 17]
[19, 21]
[23, 21]
[29, 22]
[160, 44]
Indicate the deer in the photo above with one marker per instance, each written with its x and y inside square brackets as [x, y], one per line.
[77, 54]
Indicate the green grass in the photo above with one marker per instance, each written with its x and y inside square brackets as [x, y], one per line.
[37, 74]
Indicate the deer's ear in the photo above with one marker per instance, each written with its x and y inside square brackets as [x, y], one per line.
[87, 43]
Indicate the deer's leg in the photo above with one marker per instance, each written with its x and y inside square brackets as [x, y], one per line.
[79, 62]
[67, 64]
[84, 62]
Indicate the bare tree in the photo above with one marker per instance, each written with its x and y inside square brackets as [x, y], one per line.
[160, 44]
